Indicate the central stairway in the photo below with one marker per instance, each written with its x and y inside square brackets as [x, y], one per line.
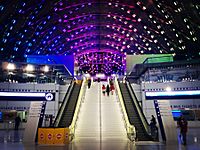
[100, 118]
[88, 119]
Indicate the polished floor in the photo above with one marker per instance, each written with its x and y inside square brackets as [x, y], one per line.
[12, 140]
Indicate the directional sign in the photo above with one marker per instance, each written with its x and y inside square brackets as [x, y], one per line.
[58, 136]
[67, 135]
[49, 96]
[42, 136]
[50, 136]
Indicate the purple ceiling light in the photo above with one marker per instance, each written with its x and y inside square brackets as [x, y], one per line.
[99, 27]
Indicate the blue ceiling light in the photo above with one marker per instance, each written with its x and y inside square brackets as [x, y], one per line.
[29, 23]
[4, 40]
[23, 4]
[29, 44]
[19, 42]
[1, 7]
[15, 48]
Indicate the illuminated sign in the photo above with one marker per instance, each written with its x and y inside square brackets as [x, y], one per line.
[22, 96]
[173, 94]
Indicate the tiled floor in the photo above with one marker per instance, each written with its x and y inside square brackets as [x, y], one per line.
[12, 140]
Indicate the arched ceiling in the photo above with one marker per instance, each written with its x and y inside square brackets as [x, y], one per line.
[120, 27]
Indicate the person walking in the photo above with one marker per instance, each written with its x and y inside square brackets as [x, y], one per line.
[17, 122]
[89, 83]
[154, 132]
[104, 89]
[112, 88]
[183, 125]
[107, 90]
[153, 120]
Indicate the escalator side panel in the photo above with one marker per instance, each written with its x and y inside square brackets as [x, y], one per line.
[69, 109]
[133, 115]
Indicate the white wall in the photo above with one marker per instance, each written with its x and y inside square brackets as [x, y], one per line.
[174, 85]
[137, 90]
[62, 91]
[51, 107]
[182, 104]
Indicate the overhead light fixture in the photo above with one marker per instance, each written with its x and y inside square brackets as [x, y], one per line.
[168, 89]
[11, 66]
[46, 68]
[100, 75]
[29, 68]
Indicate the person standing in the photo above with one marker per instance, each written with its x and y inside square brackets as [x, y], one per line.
[104, 89]
[153, 127]
[153, 120]
[107, 90]
[112, 88]
[89, 83]
[183, 125]
[17, 122]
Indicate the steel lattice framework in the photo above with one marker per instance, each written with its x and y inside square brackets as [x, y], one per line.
[99, 33]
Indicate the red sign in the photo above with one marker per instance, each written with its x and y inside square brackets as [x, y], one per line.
[50, 136]
[41, 136]
[66, 135]
[59, 136]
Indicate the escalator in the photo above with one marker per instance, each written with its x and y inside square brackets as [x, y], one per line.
[66, 111]
[134, 112]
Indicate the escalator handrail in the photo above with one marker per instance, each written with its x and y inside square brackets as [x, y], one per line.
[81, 96]
[64, 103]
[129, 127]
[138, 107]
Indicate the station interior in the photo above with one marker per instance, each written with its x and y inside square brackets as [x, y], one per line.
[99, 75]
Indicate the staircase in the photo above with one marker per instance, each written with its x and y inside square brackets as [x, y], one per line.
[113, 126]
[100, 118]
